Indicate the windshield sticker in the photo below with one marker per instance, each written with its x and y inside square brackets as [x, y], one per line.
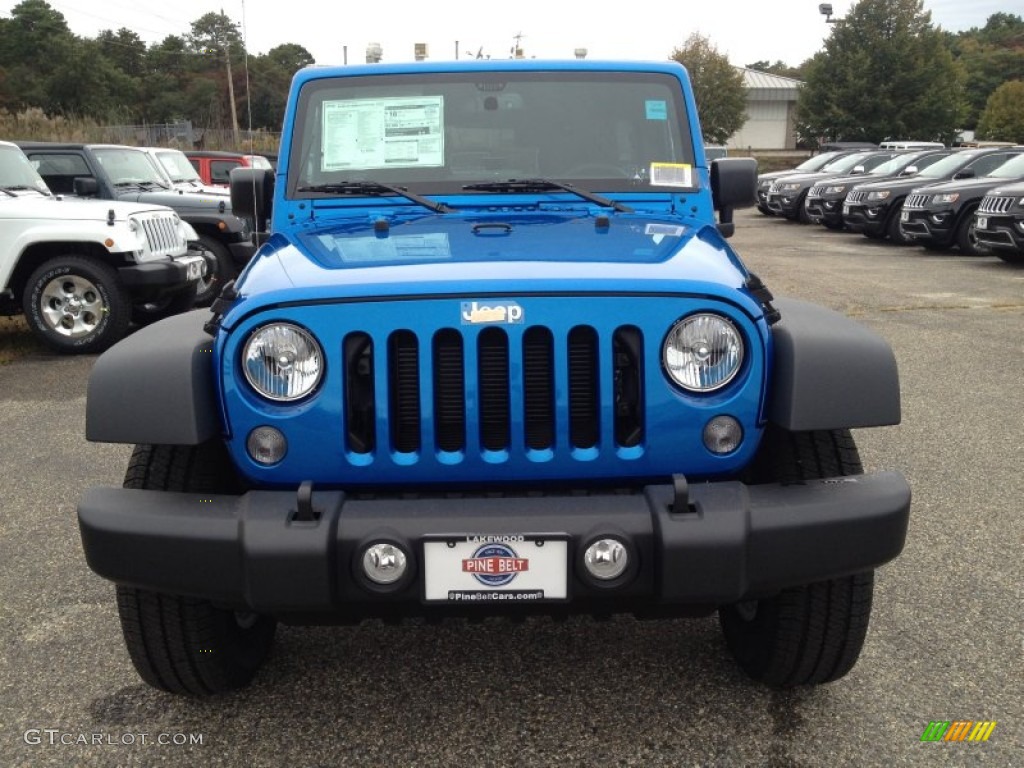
[664, 230]
[671, 175]
[399, 248]
[364, 134]
[657, 109]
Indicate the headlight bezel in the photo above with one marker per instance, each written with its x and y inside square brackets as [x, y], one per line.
[946, 198]
[272, 394]
[837, 189]
[691, 384]
[878, 195]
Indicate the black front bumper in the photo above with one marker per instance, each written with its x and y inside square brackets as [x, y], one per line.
[730, 541]
[918, 225]
[1002, 232]
[156, 278]
[825, 210]
[856, 218]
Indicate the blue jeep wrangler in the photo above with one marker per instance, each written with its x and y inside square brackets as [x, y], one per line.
[496, 357]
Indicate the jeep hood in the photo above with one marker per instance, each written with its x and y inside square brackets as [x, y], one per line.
[496, 253]
[36, 206]
[183, 202]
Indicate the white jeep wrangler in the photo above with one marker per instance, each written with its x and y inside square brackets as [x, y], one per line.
[81, 270]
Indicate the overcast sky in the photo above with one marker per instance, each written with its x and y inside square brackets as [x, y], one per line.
[744, 30]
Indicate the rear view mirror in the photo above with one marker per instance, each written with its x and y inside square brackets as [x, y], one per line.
[859, 169]
[84, 186]
[966, 173]
[733, 185]
[910, 170]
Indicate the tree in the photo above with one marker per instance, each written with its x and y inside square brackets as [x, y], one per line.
[717, 87]
[270, 80]
[989, 57]
[216, 35]
[885, 73]
[780, 68]
[1003, 118]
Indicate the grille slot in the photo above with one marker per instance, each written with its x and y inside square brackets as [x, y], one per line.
[493, 384]
[584, 395]
[404, 400]
[360, 434]
[628, 380]
[915, 201]
[539, 388]
[449, 391]
[990, 204]
[855, 197]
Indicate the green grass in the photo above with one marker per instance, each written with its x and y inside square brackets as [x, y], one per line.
[16, 340]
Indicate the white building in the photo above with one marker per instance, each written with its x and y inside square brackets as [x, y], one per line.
[771, 112]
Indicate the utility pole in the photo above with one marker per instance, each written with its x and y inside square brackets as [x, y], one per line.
[231, 91]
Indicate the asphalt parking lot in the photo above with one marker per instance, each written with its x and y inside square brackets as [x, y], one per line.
[946, 640]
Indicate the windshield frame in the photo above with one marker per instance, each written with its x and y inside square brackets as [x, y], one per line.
[444, 178]
[19, 162]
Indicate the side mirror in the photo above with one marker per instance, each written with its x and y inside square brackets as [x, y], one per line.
[966, 173]
[733, 185]
[85, 186]
[857, 169]
[910, 170]
[252, 194]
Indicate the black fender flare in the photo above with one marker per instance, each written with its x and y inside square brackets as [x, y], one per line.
[156, 386]
[829, 372]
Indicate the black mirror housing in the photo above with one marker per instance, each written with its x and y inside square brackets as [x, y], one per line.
[252, 194]
[85, 186]
[733, 185]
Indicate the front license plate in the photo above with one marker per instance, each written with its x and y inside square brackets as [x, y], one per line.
[846, 210]
[904, 216]
[496, 569]
[982, 222]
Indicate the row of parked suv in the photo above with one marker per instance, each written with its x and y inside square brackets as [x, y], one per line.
[99, 236]
[938, 198]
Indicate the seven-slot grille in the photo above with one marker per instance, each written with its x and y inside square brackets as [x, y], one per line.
[816, 192]
[990, 204]
[915, 201]
[473, 378]
[774, 188]
[855, 197]
[162, 234]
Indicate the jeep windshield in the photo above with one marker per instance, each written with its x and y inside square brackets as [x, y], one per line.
[439, 133]
[17, 173]
[129, 167]
[177, 166]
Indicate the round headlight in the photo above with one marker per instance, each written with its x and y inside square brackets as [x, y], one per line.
[703, 352]
[282, 362]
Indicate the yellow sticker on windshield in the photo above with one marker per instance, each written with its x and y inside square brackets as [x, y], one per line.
[671, 175]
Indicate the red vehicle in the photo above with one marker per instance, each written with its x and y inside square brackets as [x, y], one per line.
[215, 167]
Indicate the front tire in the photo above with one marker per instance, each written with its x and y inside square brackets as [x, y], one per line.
[219, 269]
[75, 305]
[813, 633]
[967, 240]
[187, 645]
[893, 228]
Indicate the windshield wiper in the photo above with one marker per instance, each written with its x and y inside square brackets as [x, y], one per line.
[375, 188]
[541, 185]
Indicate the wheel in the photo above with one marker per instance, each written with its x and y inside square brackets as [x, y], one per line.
[75, 304]
[892, 227]
[219, 269]
[967, 240]
[150, 311]
[813, 633]
[801, 212]
[179, 644]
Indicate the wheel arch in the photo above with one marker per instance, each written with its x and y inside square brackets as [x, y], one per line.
[34, 254]
[830, 372]
[156, 386]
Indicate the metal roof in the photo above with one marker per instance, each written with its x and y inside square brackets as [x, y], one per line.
[763, 86]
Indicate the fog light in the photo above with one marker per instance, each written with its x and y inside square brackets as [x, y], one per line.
[384, 563]
[266, 445]
[606, 559]
[723, 434]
